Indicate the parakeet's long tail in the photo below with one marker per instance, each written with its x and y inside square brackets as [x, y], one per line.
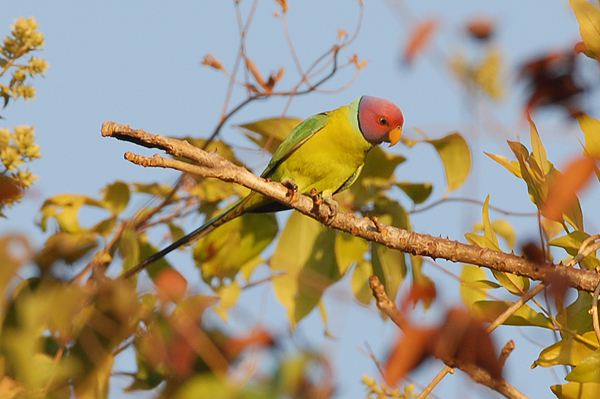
[230, 213]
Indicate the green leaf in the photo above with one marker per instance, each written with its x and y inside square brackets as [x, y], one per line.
[514, 284]
[129, 247]
[207, 385]
[389, 264]
[588, 17]
[154, 189]
[418, 192]
[576, 316]
[66, 247]
[456, 157]
[146, 250]
[538, 190]
[376, 177]
[349, 250]
[273, 129]
[304, 254]
[116, 197]
[105, 227]
[568, 351]
[176, 232]
[226, 250]
[590, 128]
[381, 164]
[571, 243]
[588, 370]
[524, 316]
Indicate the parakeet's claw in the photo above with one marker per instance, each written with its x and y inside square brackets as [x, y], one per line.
[325, 206]
[292, 189]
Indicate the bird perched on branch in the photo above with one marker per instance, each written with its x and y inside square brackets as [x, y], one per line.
[326, 152]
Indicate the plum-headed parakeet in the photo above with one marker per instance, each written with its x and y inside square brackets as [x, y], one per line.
[326, 152]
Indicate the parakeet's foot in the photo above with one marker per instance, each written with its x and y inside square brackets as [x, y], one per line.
[292, 189]
[325, 206]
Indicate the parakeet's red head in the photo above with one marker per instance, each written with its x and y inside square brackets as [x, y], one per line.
[380, 120]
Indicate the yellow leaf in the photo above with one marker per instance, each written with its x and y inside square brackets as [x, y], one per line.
[116, 197]
[349, 250]
[576, 390]
[226, 250]
[272, 131]
[512, 166]
[360, 282]
[568, 351]
[304, 254]
[591, 130]
[228, 295]
[456, 157]
[471, 288]
[538, 151]
[588, 17]
[487, 75]
[524, 316]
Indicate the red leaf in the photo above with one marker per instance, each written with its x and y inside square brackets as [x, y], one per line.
[171, 285]
[481, 28]
[562, 193]
[463, 339]
[419, 38]
[257, 338]
[409, 352]
[552, 81]
[10, 190]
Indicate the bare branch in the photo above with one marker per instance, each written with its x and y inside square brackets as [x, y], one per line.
[477, 373]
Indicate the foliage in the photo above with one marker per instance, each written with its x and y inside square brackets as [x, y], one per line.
[18, 147]
[62, 337]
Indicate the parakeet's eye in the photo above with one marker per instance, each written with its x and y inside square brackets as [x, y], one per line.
[383, 120]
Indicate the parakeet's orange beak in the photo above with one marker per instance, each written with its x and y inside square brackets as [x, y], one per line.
[394, 135]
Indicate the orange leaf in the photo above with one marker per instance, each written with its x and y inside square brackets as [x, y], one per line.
[10, 190]
[481, 28]
[283, 4]
[410, 351]
[463, 339]
[255, 72]
[423, 289]
[563, 190]
[419, 38]
[171, 285]
[257, 338]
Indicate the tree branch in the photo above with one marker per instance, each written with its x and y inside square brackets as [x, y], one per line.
[213, 165]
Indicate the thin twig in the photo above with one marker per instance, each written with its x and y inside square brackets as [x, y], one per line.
[478, 374]
[472, 201]
[594, 312]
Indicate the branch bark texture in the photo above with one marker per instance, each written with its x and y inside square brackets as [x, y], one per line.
[211, 164]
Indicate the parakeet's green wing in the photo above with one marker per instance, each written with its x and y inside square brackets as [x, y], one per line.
[295, 139]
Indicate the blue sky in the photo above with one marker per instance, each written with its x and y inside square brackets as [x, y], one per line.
[138, 62]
